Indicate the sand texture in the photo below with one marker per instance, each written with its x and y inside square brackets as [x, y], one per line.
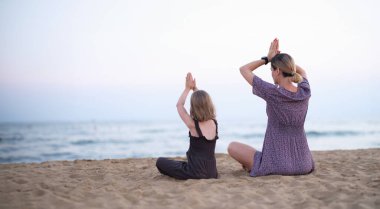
[343, 179]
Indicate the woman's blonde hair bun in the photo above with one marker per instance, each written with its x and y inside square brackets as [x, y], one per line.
[287, 66]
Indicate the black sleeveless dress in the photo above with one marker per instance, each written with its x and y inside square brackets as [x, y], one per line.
[201, 163]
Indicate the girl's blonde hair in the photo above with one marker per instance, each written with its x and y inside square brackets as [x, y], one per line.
[201, 106]
[287, 66]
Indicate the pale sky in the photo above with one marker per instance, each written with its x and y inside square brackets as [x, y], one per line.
[127, 60]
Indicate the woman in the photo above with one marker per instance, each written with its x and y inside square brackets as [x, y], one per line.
[285, 150]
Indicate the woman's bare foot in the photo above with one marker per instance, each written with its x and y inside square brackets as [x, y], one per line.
[246, 169]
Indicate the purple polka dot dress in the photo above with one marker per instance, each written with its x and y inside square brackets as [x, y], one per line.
[285, 149]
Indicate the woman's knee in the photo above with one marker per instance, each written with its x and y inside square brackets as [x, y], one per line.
[241, 152]
[233, 148]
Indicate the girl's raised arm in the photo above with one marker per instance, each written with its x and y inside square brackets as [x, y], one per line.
[190, 85]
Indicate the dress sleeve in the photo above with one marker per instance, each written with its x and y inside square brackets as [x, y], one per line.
[262, 88]
[304, 85]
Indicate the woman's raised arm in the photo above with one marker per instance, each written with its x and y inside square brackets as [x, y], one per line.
[301, 71]
[247, 70]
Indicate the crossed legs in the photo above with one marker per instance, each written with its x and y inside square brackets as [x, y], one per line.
[242, 153]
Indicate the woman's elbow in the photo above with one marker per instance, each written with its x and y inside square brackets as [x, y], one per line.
[242, 70]
[245, 69]
[245, 72]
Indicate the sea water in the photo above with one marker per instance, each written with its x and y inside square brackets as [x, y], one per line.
[38, 142]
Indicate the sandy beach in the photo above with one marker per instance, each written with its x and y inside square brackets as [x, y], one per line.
[343, 179]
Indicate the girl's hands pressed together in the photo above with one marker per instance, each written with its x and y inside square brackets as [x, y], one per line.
[190, 82]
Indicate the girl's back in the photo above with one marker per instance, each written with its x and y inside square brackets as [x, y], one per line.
[208, 129]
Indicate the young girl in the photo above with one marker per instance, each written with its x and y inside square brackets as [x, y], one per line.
[203, 133]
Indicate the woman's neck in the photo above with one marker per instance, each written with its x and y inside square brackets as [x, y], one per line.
[287, 84]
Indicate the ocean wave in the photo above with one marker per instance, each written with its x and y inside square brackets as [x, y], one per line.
[152, 131]
[20, 159]
[11, 138]
[83, 142]
[57, 154]
[336, 133]
[313, 134]
[253, 135]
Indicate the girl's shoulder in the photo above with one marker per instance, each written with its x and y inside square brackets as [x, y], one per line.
[207, 129]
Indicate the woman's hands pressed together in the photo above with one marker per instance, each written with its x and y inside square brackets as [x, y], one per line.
[273, 49]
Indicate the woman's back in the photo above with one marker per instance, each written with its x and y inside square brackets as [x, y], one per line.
[289, 108]
[285, 150]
